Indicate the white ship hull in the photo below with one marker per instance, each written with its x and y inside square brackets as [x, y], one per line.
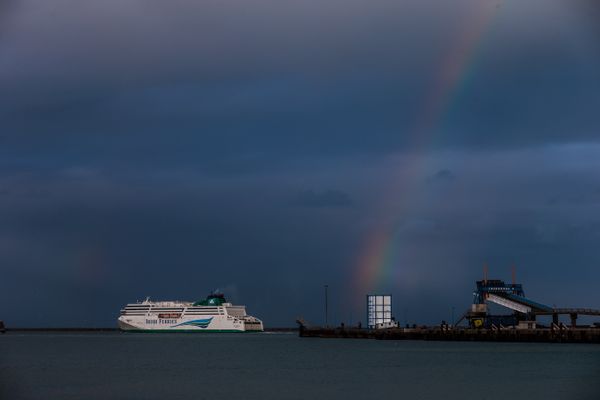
[215, 323]
[187, 317]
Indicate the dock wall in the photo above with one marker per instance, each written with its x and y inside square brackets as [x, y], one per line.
[573, 335]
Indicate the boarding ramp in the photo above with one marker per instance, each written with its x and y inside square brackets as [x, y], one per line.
[504, 302]
[518, 303]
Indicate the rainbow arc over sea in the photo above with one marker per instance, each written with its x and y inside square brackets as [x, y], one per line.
[377, 264]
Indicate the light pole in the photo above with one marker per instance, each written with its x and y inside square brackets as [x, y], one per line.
[326, 307]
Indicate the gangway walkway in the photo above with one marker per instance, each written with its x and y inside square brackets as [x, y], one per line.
[518, 303]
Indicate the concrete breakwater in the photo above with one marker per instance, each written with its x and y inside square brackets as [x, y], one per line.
[571, 335]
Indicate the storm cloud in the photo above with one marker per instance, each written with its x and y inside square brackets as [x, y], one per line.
[169, 149]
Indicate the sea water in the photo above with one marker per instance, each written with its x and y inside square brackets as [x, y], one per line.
[284, 366]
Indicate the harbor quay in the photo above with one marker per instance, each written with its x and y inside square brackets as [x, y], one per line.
[442, 333]
[476, 324]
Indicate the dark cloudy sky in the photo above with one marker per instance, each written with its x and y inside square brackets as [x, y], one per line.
[169, 148]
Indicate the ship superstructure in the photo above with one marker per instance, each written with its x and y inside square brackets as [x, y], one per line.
[214, 314]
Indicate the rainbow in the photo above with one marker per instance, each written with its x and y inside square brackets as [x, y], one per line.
[378, 261]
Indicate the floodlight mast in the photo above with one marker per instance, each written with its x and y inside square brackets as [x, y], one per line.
[326, 306]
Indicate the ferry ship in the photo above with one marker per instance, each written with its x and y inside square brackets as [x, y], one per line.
[214, 314]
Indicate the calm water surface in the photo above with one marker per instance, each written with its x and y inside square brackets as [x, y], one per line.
[283, 366]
